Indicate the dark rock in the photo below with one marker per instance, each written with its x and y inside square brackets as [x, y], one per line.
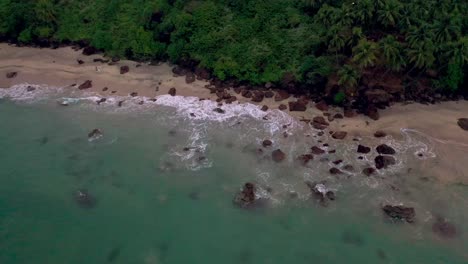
[124, 69]
[189, 77]
[267, 143]
[335, 171]
[368, 171]
[317, 151]
[95, 133]
[264, 108]
[120, 103]
[219, 110]
[298, 106]
[348, 167]
[379, 134]
[372, 112]
[336, 162]
[133, 94]
[363, 149]
[338, 116]
[179, 71]
[339, 135]
[305, 158]
[278, 155]
[382, 162]
[443, 228]
[115, 59]
[202, 73]
[231, 99]
[172, 91]
[281, 95]
[385, 149]
[86, 85]
[100, 60]
[89, 51]
[282, 107]
[322, 106]
[246, 93]
[84, 199]
[246, 197]
[349, 113]
[320, 192]
[400, 212]
[30, 88]
[378, 96]
[319, 122]
[257, 96]
[352, 238]
[330, 195]
[80, 61]
[269, 94]
[105, 89]
[463, 123]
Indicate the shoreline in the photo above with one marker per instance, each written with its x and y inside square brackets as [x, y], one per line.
[60, 67]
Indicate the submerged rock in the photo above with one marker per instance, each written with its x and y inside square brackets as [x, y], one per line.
[219, 110]
[246, 197]
[368, 171]
[321, 193]
[305, 158]
[282, 107]
[94, 134]
[317, 151]
[385, 149]
[382, 162]
[264, 108]
[463, 123]
[86, 85]
[400, 212]
[443, 228]
[84, 199]
[335, 171]
[319, 122]
[278, 155]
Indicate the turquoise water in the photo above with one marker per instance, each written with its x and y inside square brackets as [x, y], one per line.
[157, 203]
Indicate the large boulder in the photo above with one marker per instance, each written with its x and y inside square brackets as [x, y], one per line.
[372, 112]
[385, 149]
[282, 107]
[267, 143]
[179, 71]
[317, 151]
[246, 93]
[379, 134]
[298, 106]
[463, 123]
[382, 162]
[322, 106]
[281, 95]
[257, 96]
[278, 155]
[378, 96]
[202, 73]
[86, 85]
[400, 212]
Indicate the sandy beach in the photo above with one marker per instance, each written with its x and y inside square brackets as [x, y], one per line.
[59, 67]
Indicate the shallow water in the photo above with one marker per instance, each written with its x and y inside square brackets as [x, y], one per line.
[158, 203]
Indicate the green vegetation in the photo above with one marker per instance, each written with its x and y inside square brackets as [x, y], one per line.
[260, 41]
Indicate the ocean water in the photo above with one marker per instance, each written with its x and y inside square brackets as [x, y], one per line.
[157, 202]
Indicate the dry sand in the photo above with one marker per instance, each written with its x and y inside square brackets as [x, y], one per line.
[59, 67]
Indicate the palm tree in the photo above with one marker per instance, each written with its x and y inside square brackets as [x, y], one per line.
[356, 35]
[422, 55]
[446, 28]
[457, 52]
[365, 53]
[363, 11]
[419, 34]
[391, 52]
[337, 39]
[389, 14]
[348, 77]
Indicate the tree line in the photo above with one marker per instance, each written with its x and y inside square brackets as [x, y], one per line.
[260, 41]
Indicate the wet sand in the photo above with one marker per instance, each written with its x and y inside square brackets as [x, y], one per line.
[59, 67]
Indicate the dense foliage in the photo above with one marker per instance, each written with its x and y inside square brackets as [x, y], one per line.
[259, 41]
